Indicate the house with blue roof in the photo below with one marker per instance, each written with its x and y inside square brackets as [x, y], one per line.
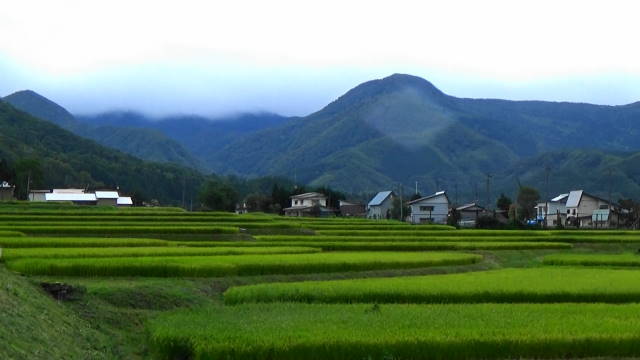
[380, 206]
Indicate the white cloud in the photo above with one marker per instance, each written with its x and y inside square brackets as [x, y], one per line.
[122, 45]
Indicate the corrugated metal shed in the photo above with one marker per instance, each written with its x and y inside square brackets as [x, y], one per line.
[125, 200]
[574, 198]
[107, 194]
[70, 197]
[379, 198]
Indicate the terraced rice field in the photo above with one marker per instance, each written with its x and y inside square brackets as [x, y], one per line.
[165, 283]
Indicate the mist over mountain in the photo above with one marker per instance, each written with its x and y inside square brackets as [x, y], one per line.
[397, 130]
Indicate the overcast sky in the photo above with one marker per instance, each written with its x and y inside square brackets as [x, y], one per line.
[293, 57]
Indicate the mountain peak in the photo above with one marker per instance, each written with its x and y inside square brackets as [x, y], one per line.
[37, 105]
[390, 84]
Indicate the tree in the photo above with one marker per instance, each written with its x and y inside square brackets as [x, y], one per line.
[527, 200]
[503, 202]
[7, 173]
[395, 209]
[416, 196]
[28, 175]
[218, 195]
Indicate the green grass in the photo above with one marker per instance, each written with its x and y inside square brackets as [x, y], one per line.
[68, 242]
[358, 236]
[377, 227]
[532, 285]
[8, 233]
[238, 265]
[49, 253]
[35, 326]
[303, 331]
[625, 259]
[391, 245]
[122, 230]
[413, 231]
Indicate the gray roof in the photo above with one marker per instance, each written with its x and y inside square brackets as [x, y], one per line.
[380, 198]
[107, 194]
[309, 195]
[574, 198]
[467, 206]
[559, 197]
[439, 193]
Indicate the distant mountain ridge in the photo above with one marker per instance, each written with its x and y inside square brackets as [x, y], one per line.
[402, 129]
[142, 143]
[66, 159]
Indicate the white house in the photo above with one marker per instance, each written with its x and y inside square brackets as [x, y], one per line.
[380, 206]
[76, 198]
[124, 201]
[433, 209]
[107, 198]
[6, 191]
[303, 204]
[589, 211]
[554, 211]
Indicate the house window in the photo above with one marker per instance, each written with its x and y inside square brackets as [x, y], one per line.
[604, 207]
[426, 208]
[568, 211]
[574, 211]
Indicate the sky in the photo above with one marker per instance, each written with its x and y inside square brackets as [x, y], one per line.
[293, 57]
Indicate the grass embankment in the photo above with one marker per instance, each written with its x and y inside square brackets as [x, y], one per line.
[79, 242]
[9, 233]
[532, 285]
[238, 265]
[303, 331]
[34, 326]
[391, 246]
[625, 259]
[108, 230]
[408, 237]
[53, 253]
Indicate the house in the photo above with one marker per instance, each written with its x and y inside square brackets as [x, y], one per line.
[380, 206]
[124, 201]
[76, 198]
[308, 204]
[38, 195]
[107, 198]
[589, 211]
[433, 209]
[468, 214]
[349, 208]
[553, 212]
[6, 191]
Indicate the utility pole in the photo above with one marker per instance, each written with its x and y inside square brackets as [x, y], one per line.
[401, 212]
[416, 188]
[609, 170]
[455, 186]
[488, 190]
[28, 183]
[547, 171]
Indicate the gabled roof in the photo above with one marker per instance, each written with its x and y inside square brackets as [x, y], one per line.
[68, 191]
[468, 206]
[379, 198]
[107, 194]
[309, 195]
[124, 200]
[69, 197]
[5, 184]
[574, 198]
[439, 193]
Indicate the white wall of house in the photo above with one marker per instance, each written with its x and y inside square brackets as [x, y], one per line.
[430, 210]
[380, 211]
[309, 202]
